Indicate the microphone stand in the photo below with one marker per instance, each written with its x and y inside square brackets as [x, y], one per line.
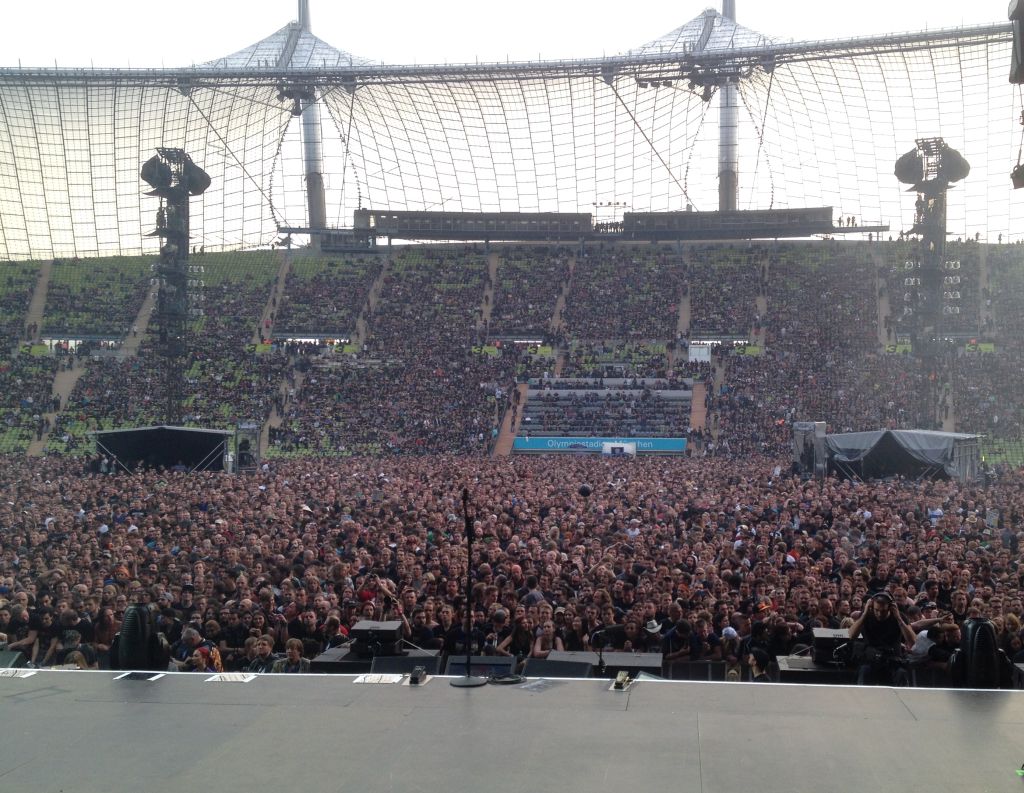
[601, 668]
[469, 681]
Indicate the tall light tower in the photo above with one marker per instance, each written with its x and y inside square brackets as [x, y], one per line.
[312, 146]
[174, 179]
[728, 157]
[931, 167]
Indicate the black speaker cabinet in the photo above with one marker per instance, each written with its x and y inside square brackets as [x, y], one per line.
[543, 667]
[404, 664]
[12, 659]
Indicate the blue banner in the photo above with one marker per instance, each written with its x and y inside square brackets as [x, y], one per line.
[643, 445]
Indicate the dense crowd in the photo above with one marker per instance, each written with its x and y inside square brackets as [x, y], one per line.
[529, 283]
[987, 393]
[433, 405]
[633, 413]
[724, 283]
[15, 293]
[227, 380]
[430, 304]
[703, 559]
[95, 297]
[698, 559]
[624, 293]
[325, 298]
[26, 382]
[821, 361]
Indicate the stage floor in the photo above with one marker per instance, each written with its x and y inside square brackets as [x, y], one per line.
[85, 731]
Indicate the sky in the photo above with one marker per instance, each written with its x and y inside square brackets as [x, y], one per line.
[141, 33]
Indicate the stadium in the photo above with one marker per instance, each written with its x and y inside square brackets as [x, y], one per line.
[669, 363]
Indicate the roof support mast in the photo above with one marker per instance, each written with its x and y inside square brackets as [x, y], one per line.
[728, 157]
[312, 146]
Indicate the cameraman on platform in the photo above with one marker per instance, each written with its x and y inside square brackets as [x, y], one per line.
[885, 632]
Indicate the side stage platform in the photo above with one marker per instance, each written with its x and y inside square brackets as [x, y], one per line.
[87, 731]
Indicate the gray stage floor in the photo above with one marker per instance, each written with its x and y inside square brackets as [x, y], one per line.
[80, 732]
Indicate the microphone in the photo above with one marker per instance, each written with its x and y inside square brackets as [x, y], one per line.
[586, 490]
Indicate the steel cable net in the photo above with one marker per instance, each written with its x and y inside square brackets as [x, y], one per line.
[814, 131]
[70, 156]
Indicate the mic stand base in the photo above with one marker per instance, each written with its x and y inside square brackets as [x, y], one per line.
[470, 681]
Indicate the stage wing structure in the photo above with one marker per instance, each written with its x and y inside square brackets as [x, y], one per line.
[818, 124]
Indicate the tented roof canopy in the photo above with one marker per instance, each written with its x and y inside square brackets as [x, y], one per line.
[708, 32]
[193, 447]
[916, 454]
[289, 48]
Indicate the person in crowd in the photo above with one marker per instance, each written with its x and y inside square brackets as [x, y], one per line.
[265, 659]
[293, 662]
[759, 661]
[886, 635]
[547, 641]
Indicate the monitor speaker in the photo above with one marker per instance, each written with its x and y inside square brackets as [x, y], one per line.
[12, 659]
[404, 664]
[542, 667]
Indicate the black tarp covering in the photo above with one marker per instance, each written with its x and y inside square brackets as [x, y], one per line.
[196, 449]
[915, 454]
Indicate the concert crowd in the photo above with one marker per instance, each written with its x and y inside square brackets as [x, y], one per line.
[697, 559]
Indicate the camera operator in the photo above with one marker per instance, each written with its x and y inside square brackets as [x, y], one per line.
[885, 632]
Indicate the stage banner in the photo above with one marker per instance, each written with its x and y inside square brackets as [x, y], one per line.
[595, 445]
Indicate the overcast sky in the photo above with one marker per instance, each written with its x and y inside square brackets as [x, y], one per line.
[183, 32]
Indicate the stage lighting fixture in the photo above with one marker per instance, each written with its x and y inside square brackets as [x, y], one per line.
[1017, 176]
[910, 168]
[194, 178]
[932, 167]
[156, 173]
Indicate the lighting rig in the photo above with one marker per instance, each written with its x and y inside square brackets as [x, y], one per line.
[931, 283]
[174, 179]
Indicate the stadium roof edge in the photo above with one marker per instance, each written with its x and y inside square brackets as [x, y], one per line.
[738, 57]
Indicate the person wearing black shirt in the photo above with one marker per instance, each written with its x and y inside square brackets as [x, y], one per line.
[758, 660]
[884, 631]
[46, 631]
[264, 661]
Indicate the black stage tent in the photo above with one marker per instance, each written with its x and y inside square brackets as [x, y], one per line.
[915, 454]
[196, 449]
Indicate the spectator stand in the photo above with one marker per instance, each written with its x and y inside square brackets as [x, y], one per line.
[617, 358]
[324, 297]
[724, 283]
[629, 293]
[529, 283]
[228, 379]
[607, 407]
[423, 385]
[988, 381]
[396, 407]
[95, 298]
[26, 383]
[822, 361]
[16, 288]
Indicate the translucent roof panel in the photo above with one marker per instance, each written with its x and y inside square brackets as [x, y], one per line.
[815, 130]
[709, 31]
[292, 48]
